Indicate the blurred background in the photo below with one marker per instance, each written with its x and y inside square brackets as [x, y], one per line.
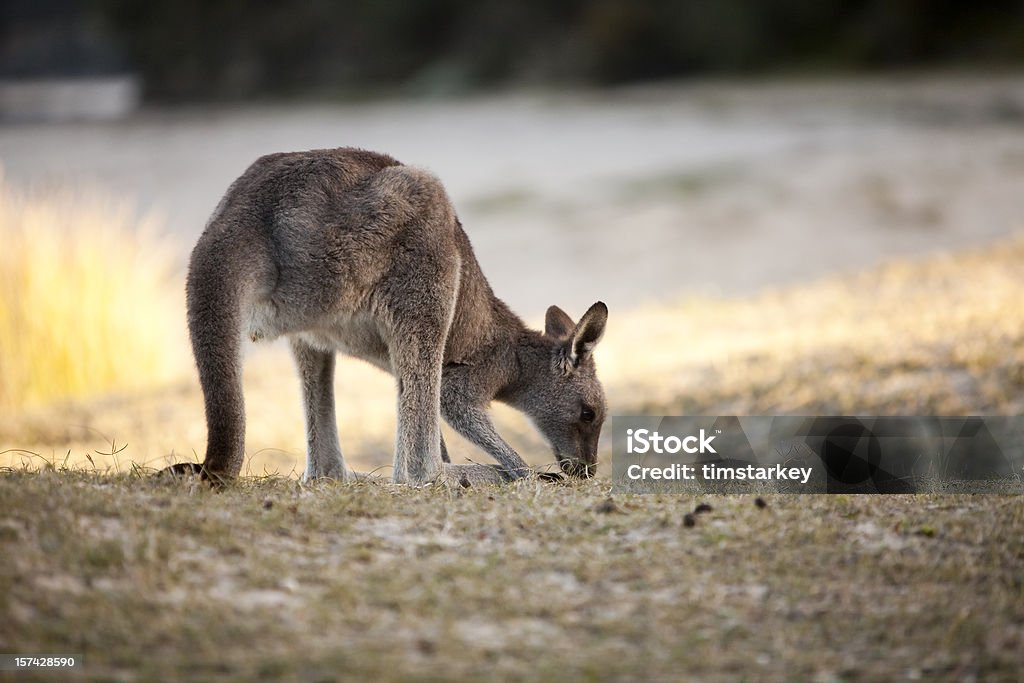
[789, 206]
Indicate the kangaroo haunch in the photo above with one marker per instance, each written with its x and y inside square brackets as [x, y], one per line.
[351, 251]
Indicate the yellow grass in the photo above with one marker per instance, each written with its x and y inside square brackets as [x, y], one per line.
[940, 335]
[87, 303]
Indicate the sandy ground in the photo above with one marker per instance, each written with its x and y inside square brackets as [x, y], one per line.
[631, 195]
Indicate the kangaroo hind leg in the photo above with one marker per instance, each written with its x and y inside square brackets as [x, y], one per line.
[323, 451]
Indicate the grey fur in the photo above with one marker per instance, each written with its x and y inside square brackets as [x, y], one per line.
[348, 250]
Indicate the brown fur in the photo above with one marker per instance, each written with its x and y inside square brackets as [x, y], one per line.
[348, 250]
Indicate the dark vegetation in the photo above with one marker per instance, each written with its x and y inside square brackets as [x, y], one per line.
[226, 49]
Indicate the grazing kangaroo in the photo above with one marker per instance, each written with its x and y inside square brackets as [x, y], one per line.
[347, 250]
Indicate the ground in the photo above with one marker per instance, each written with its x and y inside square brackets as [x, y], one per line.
[273, 579]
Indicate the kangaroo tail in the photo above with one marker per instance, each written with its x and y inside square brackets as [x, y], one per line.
[216, 291]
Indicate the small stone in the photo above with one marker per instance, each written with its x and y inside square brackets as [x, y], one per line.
[464, 482]
[689, 520]
[702, 508]
[760, 502]
[607, 506]
[267, 503]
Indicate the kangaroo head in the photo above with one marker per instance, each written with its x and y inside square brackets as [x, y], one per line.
[566, 401]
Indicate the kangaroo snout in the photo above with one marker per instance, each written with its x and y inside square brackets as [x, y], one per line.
[581, 460]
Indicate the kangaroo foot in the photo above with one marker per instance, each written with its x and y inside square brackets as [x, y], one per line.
[192, 469]
[473, 474]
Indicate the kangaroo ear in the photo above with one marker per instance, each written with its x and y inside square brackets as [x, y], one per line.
[557, 323]
[588, 333]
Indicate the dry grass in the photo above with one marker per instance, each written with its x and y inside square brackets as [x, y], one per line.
[87, 298]
[941, 335]
[275, 580]
[272, 580]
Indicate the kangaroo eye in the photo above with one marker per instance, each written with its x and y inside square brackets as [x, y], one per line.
[587, 414]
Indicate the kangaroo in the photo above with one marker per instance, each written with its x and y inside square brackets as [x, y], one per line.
[346, 250]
